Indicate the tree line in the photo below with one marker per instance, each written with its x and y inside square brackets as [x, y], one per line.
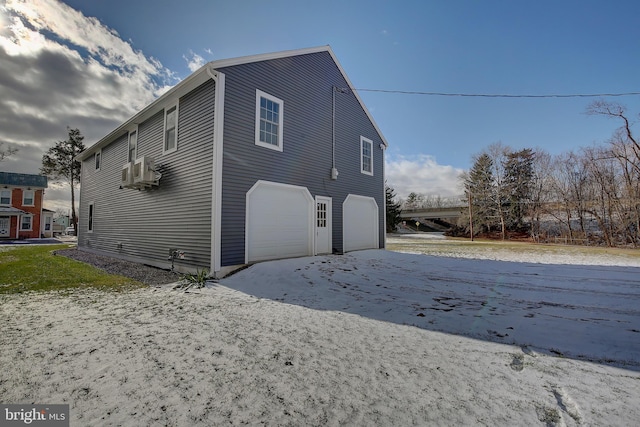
[590, 195]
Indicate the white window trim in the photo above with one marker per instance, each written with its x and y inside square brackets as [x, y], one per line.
[91, 217]
[33, 197]
[280, 146]
[363, 141]
[97, 164]
[10, 196]
[164, 127]
[133, 130]
[30, 223]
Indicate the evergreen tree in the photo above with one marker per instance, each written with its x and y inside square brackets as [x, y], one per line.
[479, 188]
[58, 164]
[518, 169]
[392, 208]
[414, 201]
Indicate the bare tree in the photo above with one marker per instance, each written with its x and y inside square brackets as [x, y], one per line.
[59, 164]
[566, 189]
[624, 146]
[540, 194]
[499, 153]
[6, 152]
[604, 191]
[623, 134]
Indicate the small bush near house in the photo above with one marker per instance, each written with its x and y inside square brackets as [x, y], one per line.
[196, 281]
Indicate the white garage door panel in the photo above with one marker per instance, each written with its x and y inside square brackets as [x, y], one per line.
[279, 221]
[360, 222]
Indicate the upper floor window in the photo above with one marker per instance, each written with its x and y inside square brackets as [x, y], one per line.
[5, 197]
[27, 197]
[98, 159]
[133, 146]
[269, 117]
[366, 156]
[170, 129]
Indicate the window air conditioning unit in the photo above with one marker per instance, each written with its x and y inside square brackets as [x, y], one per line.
[143, 171]
[127, 175]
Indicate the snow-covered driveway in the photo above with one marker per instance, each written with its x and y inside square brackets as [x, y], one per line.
[331, 341]
[578, 311]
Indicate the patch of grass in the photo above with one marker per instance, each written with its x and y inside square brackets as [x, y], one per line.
[408, 243]
[36, 268]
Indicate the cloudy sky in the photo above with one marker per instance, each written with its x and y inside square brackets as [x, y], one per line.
[93, 64]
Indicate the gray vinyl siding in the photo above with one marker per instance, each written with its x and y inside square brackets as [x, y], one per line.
[177, 214]
[305, 84]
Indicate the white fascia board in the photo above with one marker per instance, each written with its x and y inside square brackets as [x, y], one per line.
[267, 56]
[287, 53]
[355, 92]
[200, 76]
[168, 98]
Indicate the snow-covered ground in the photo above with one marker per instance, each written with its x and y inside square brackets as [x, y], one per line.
[438, 244]
[367, 338]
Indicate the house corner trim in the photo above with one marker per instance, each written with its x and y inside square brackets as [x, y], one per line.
[216, 185]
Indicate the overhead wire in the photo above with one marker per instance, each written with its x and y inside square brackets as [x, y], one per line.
[490, 95]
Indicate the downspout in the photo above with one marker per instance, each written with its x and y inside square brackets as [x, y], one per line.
[384, 197]
[216, 185]
[334, 171]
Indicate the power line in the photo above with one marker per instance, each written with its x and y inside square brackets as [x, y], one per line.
[488, 95]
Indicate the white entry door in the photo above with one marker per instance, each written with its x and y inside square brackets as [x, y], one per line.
[323, 225]
[5, 226]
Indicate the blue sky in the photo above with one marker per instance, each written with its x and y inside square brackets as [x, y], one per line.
[472, 47]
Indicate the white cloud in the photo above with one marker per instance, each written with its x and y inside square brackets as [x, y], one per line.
[194, 61]
[423, 175]
[59, 68]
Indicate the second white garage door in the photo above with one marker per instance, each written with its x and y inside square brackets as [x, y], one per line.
[279, 223]
[360, 223]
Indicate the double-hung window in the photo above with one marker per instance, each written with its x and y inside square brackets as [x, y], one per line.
[5, 197]
[133, 145]
[366, 156]
[26, 222]
[27, 197]
[269, 119]
[170, 129]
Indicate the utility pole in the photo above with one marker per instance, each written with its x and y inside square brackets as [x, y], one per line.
[470, 215]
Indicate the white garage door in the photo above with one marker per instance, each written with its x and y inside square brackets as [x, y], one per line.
[279, 222]
[360, 222]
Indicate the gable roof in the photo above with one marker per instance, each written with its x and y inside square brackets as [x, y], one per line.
[200, 76]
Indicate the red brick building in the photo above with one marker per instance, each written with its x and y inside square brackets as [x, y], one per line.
[21, 213]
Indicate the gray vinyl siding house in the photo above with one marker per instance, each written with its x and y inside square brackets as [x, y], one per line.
[249, 159]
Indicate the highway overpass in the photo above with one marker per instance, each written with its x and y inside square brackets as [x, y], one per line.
[438, 219]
